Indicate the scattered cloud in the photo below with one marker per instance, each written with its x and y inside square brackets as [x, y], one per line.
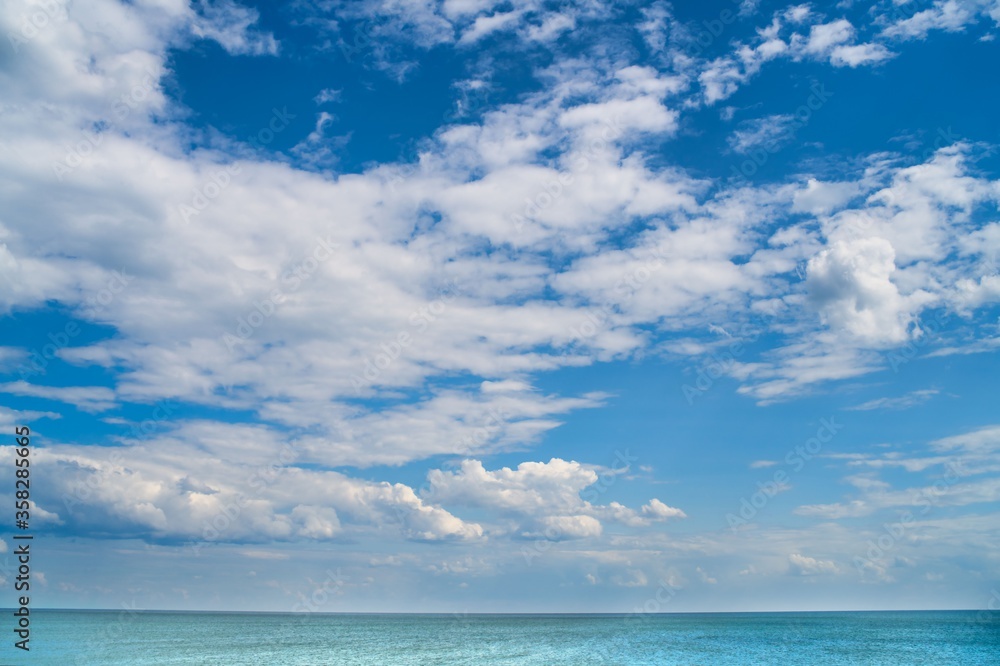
[911, 399]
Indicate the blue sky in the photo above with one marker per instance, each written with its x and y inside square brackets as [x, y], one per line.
[504, 306]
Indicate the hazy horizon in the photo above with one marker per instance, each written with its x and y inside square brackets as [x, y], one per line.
[476, 306]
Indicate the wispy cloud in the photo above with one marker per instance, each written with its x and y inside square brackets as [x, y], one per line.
[911, 399]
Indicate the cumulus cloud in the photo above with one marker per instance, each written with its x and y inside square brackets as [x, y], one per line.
[660, 511]
[850, 283]
[545, 498]
[557, 528]
[170, 490]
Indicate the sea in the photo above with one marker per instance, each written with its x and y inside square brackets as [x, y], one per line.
[95, 638]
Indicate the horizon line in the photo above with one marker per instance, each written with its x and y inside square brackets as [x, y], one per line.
[507, 613]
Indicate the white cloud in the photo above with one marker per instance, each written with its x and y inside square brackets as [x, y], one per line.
[768, 132]
[818, 197]
[792, 370]
[171, 489]
[551, 27]
[657, 510]
[14, 417]
[972, 294]
[911, 399]
[953, 476]
[836, 511]
[723, 76]
[655, 25]
[824, 37]
[859, 54]
[644, 114]
[390, 23]
[705, 578]
[486, 25]
[437, 303]
[505, 386]
[879, 263]
[544, 498]
[797, 13]
[810, 566]
[558, 528]
[328, 96]
[850, 285]
[631, 578]
[86, 398]
[229, 24]
[947, 15]
[984, 440]
[832, 41]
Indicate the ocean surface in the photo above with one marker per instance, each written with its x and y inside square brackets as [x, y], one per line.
[95, 638]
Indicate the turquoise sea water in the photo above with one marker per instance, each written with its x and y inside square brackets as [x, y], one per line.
[96, 638]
